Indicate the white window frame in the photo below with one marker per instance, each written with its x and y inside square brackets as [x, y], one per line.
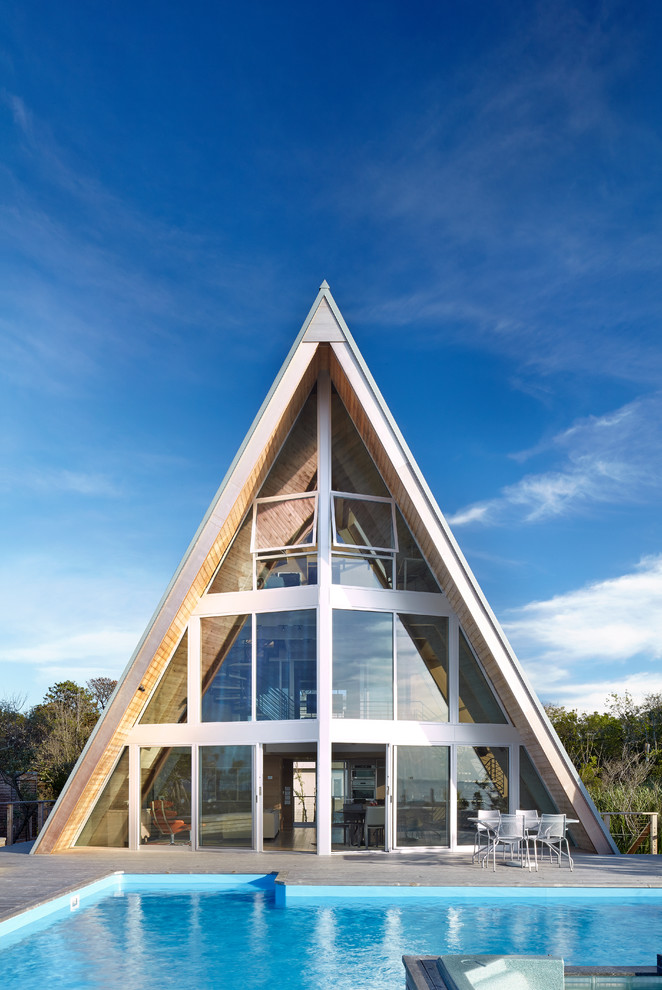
[360, 548]
[288, 547]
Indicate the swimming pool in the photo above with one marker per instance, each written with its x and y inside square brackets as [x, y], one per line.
[160, 932]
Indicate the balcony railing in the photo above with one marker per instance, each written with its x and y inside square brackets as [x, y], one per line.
[24, 820]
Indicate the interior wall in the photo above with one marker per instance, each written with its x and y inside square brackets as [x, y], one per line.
[271, 783]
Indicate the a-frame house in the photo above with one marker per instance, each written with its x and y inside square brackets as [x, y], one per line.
[323, 671]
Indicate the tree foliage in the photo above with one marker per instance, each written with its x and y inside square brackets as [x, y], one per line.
[49, 738]
[610, 744]
[101, 689]
[17, 748]
[63, 721]
[618, 755]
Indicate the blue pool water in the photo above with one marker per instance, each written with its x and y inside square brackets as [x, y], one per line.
[237, 938]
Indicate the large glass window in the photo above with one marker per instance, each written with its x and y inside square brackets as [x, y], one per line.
[165, 794]
[292, 571]
[226, 668]
[369, 571]
[422, 667]
[293, 473]
[363, 523]
[352, 468]
[168, 703]
[482, 784]
[362, 664]
[295, 468]
[477, 702]
[108, 823]
[413, 573]
[532, 792]
[287, 665]
[284, 522]
[422, 796]
[365, 529]
[235, 572]
[226, 796]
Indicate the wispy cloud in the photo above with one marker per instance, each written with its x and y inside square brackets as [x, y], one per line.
[576, 645]
[94, 281]
[592, 694]
[61, 628]
[52, 480]
[512, 189]
[615, 459]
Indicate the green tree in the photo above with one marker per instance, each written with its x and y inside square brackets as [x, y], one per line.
[101, 688]
[63, 723]
[18, 744]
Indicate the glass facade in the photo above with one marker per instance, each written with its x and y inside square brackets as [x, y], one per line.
[369, 571]
[165, 795]
[532, 791]
[477, 701]
[362, 664]
[352, 467]
[227, 668]
[293, 571]
[393, 658]
[284, 522]
[236, 570]
[413, 573]
[287, 665]
[363, 523]
[482, 785]
[422, 665]
[108, 824]
[422, 787]
[168, 703]
[226, 796]
[295, 468]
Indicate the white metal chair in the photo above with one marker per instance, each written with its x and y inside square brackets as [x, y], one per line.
[551, 833]
[531, 823]
[510, 835]
[486, 823]
[531, 818]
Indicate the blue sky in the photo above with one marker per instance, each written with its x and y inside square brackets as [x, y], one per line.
[480, 183]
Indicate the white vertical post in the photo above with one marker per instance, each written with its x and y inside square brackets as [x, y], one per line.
[195, 795]
[193, 714]
[452, 797]
[324, 624]
[453, 670]
[389, 817]
[513, 782]
[454, 718]
[258, 802]
[135, 809]
[193, 687]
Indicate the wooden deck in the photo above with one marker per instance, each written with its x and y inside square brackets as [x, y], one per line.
[26, 881]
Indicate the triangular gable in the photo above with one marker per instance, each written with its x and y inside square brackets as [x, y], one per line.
[324, 342]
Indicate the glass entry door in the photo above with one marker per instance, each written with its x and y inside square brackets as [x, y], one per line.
[358, 797]
[421, 795]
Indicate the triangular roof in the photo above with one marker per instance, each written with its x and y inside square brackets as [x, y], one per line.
[324, 342]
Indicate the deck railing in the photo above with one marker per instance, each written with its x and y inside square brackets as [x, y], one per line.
[633, 831]
[24, 819]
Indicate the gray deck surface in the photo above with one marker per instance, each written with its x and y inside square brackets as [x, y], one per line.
[26, 881]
